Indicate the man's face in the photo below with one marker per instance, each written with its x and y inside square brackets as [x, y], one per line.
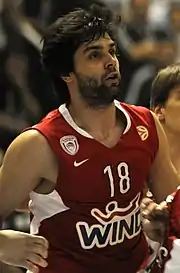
[96, 72]
[172, 111]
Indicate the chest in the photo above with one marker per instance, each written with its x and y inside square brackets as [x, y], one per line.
[111, 139]
[97, 174]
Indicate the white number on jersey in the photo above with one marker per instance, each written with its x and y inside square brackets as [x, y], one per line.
[124, 179]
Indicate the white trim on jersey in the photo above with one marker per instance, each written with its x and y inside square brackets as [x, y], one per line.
[44, 206]
[65, 113]
[119, 106]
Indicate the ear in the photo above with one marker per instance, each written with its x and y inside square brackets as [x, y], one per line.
[160, 113]
[68, 78]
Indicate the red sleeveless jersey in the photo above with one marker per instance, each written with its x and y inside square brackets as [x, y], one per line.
[92, 218]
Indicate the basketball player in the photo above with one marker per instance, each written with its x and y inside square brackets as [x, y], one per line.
[84, 165]
[165, 102]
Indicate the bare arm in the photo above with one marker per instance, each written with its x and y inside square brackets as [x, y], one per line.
[32, 250]
[164, 177]
[26, 162]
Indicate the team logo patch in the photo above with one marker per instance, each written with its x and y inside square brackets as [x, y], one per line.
[69, 144]
[143, 132]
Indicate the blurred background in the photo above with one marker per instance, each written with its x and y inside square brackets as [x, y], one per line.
[148, 39]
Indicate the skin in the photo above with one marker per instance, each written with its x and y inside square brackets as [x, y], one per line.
[32, 250]
[169, 117]
[32, 149]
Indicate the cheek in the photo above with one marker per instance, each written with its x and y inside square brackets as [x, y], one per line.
[172, 117]
[93, 69]
[117, 65]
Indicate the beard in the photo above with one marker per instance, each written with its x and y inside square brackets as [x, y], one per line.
[97, 94]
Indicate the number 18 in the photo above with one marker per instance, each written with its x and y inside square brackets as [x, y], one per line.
[124, 179]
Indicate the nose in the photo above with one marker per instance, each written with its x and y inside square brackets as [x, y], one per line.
[110, 61]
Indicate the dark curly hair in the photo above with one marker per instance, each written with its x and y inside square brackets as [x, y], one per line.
[65, 36]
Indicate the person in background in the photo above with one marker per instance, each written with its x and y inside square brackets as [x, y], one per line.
[165, 102]
[143, 50]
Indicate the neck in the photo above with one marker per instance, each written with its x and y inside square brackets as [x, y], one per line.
[174, 144]
[95, 121]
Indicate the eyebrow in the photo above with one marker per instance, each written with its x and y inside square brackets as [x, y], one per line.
[97, 47]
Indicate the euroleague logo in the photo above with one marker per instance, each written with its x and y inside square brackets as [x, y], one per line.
[143, 132]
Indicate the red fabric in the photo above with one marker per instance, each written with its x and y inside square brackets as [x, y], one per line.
[86, 188]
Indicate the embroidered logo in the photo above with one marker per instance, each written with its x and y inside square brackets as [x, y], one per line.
[77, 164]
[143, 132]
[69, 144]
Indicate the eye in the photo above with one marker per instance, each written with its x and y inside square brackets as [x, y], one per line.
[95, 55]
[112, 52]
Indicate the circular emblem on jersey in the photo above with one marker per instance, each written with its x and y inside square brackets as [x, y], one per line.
[143, 132]
[69, 144]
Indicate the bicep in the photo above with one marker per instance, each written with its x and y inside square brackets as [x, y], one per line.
[163, 175]
[20, 173]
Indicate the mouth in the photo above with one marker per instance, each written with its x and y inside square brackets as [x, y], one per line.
[112, 76]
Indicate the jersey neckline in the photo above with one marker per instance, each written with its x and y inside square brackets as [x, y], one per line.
[67, 116]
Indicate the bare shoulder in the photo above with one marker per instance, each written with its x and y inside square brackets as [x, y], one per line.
[31, 136]
[31, 140]
[29, 147]
[27, 162]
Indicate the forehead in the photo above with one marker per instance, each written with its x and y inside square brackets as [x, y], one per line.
[104, 42]
[175, 92]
